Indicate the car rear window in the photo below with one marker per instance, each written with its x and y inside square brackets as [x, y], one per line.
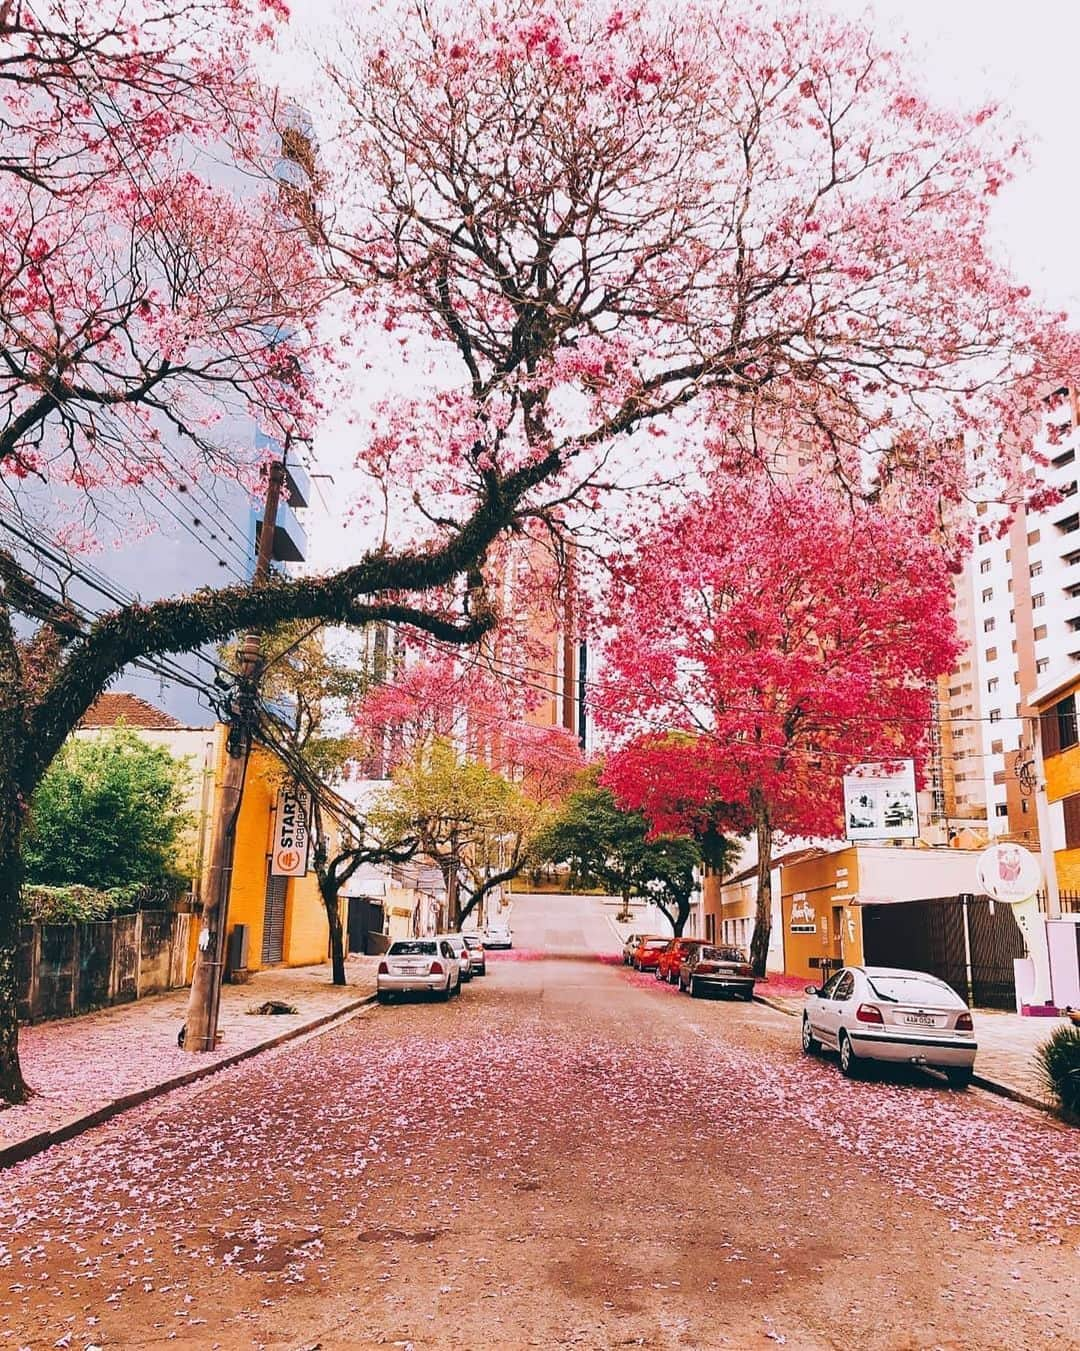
[657, 943]
[722, 955]
[916, 990]
[471, 941]
[411, 948]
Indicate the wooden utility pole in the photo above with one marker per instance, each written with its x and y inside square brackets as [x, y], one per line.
[205, 999]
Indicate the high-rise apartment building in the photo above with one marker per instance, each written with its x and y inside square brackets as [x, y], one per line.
[1018, 608]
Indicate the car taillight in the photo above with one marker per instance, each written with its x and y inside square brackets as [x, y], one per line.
[964, 1023]
[744, 970]
[705, 966]
[436, 968]
[384, 970]
[869, 1013]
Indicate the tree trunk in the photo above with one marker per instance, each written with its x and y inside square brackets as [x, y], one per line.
[13, 1087]
[682, 914]
[337, 934]
[759, 947]
[624, 914]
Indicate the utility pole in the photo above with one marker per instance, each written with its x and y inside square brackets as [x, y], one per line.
[205, 999]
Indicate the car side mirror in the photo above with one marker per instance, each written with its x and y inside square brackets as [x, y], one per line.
[812, 989]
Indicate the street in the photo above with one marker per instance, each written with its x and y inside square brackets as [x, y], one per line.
[570, 1154]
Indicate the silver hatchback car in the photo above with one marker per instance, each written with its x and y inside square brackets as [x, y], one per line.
[884, 1013]
[461, 952]
[418, 966]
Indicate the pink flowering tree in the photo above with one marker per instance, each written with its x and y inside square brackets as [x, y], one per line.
[610, 243]
[767, 640]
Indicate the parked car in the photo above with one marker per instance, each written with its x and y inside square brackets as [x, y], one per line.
[477, 955]
[647, 953]
[709, 967]
[497, 934]
[418, 966]
[461, 952]
[884, 1013]
[630, 946]
[672, 957]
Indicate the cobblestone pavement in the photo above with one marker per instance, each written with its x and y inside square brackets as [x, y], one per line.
[79, 1065]
[569, 1155]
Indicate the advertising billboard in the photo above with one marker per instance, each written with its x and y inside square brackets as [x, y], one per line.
[880, 802]
[289, 857]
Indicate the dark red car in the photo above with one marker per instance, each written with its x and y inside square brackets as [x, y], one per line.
[647, 953]
[672, 957]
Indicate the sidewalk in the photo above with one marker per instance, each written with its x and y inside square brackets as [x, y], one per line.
[100, 1063]
[1007, 1041]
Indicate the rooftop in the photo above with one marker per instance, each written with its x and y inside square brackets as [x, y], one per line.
[121, 706]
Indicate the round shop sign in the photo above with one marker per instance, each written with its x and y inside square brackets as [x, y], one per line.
[1008, 872]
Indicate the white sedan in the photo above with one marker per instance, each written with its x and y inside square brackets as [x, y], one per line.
[881, 1013]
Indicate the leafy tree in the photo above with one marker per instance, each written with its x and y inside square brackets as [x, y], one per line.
[476, 825]
[616, 848]
[782, 634]
[110, 812]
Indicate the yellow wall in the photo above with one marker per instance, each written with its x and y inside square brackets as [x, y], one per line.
[307, 934]
[817, 890]
[1063, 780]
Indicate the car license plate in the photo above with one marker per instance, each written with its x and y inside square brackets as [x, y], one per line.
[412, 969]
[920, 1019]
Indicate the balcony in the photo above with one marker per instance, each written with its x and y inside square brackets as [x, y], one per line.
[290, 537]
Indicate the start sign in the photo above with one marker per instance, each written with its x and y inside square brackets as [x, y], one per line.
[290, 852]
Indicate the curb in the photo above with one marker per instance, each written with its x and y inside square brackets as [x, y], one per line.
[36, 1144]
[978, 1081]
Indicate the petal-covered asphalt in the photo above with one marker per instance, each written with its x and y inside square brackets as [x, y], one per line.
[570, 1154]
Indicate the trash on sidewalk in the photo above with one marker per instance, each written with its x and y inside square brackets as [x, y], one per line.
[274, 1006]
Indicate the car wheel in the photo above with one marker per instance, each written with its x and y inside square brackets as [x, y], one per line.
[810, 1043]
[849, 1061]
[457, 987]
[693, 988]
[749, 996]
[960, 1077]
[383, 996]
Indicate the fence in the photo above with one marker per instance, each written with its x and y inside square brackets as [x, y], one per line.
[1070, 902]
[64, 969]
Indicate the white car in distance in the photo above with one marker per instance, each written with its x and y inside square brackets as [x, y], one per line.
[884, 1013]
[497, 934]
[418, 966]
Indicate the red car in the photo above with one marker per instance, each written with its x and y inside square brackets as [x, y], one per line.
[673, 956]
[647, 953]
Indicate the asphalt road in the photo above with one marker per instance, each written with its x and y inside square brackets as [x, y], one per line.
[569, 1155]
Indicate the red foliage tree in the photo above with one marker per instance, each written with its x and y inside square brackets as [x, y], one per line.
[767, 639]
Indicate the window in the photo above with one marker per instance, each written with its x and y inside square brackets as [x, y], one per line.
[1039, 632]
[1066, 457]
[1035, 570]
[1058, 726]
[1016, 677]
[1012, 616]
[984, 566]
[995, 715]
[982, 508]
[1042, 665]
[991, 654]
[845, 986]
[984, 535]
[1001, 809]
[1071, 809]
[1033, 537]
[989, 625]
[1068, 524]
[1038, 600]
[992, 684]
[1025, 805]
[988, 594]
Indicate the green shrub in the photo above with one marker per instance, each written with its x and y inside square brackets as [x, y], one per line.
[1059, 1069]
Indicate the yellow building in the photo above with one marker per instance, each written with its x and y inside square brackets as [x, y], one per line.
[284, 916]
[1055, 703]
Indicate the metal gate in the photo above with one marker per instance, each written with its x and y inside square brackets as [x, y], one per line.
[273, 936]
[969, 946]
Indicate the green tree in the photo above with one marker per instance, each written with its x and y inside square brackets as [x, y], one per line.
[109, 812]
[478, 827]
[612, 848]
